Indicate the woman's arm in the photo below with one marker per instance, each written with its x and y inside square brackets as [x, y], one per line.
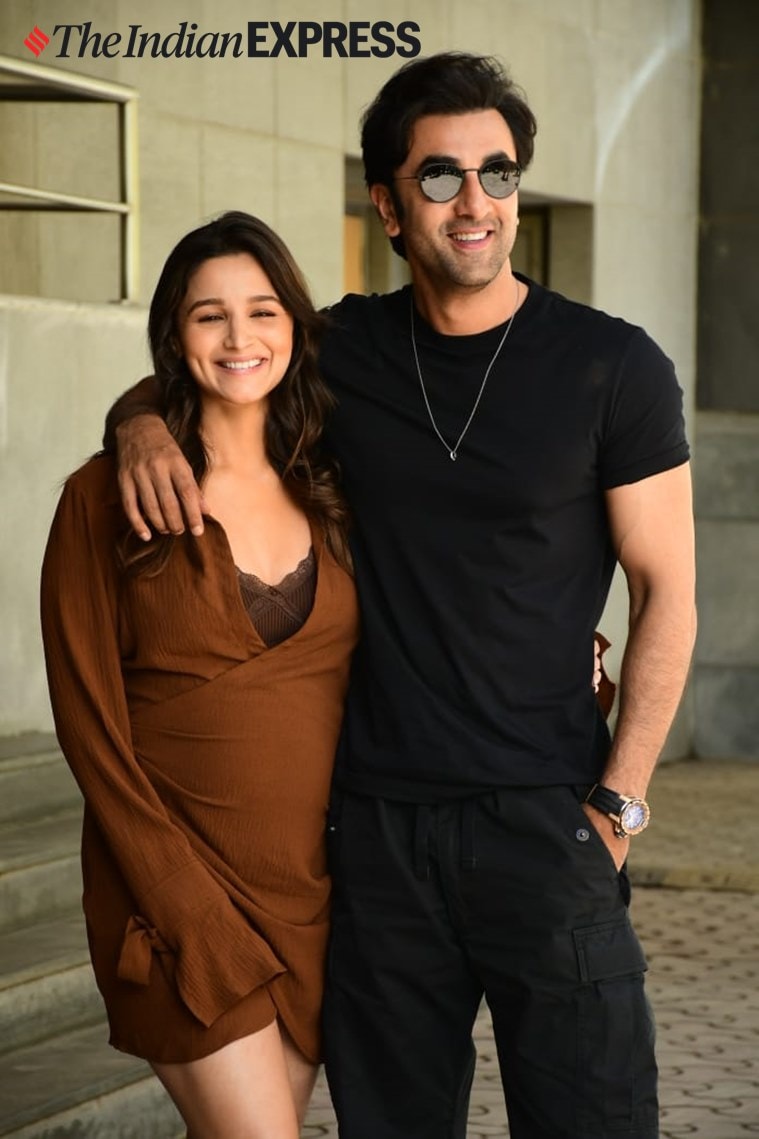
[219, 957]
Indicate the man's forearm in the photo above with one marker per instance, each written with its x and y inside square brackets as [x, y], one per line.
[142, 399]
[653, 675]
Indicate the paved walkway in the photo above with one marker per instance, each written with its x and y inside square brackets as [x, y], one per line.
[696, 908]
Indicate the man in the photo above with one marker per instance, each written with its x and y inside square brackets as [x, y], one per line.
[501, 447]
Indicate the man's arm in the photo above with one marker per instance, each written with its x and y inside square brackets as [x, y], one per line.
[153, 473]
[652, 531]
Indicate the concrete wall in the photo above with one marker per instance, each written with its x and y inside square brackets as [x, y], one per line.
[726, 680]
[726, 673]
[728, 343]
[614, 84]
[61, 364]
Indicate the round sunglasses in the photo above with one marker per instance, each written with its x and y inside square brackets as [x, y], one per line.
[442, 181]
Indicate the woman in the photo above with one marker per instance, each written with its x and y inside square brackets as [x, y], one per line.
[197, 687]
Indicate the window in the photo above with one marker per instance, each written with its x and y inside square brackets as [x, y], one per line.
[68, 184]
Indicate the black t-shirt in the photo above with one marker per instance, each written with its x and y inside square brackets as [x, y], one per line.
[481, 581]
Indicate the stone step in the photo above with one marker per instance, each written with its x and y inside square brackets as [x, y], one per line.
[40, 875]
[46, 982]
[27, 743]
[59, 1079]
[77, 1087]
[35, 785]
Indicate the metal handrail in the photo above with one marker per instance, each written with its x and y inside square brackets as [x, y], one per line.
[58, 201]
[85, 86]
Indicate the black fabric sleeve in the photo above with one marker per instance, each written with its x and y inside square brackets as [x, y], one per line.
[645, 430]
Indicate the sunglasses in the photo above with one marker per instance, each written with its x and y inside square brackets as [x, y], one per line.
[442, 181]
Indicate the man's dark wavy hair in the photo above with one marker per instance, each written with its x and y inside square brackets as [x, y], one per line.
[449, 83]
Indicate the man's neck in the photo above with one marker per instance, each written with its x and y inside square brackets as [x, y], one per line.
[465, 311]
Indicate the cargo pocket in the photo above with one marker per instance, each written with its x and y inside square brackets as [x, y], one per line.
[588, 835]
[615, 1047]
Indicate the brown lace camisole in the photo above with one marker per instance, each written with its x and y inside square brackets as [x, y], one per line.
[278, 611]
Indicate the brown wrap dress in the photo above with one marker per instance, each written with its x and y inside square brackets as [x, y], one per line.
[204, 758]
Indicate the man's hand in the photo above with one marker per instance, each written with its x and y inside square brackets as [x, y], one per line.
[156, 480]
[618, 847]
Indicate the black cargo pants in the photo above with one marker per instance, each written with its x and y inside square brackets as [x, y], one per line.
[514, 895]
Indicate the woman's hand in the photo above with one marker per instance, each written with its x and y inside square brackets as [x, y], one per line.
[604, 688]
[156, 481]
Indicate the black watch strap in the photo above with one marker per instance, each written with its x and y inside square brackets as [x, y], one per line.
[606, 800]
[629, 814]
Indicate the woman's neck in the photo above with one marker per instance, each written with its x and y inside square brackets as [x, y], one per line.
[235, 439]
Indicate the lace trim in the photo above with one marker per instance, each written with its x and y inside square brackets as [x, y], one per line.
[289, 582]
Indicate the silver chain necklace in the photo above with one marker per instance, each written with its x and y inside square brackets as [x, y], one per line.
[453, 451]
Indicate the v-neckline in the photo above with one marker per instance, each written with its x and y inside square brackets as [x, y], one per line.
[249, 634]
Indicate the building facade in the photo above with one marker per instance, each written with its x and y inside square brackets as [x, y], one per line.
[610, 206]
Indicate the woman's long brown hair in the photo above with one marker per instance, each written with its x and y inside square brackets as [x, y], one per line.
[297, 406]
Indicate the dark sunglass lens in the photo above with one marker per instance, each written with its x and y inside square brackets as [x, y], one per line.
[499, 180]
[440, 183]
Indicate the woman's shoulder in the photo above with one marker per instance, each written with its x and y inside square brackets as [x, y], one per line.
[91, 498]
[96, 480]
[89, 518]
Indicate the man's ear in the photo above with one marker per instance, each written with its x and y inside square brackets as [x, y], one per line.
[385, 207]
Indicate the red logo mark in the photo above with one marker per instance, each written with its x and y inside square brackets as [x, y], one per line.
[37, 41]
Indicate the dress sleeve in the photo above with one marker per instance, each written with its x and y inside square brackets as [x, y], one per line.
[219, 956]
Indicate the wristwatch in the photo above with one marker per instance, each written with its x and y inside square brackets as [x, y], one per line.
[630, 816]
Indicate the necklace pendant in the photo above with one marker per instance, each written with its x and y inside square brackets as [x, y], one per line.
[453, 451]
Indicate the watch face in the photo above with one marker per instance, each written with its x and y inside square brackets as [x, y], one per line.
[634, 816]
